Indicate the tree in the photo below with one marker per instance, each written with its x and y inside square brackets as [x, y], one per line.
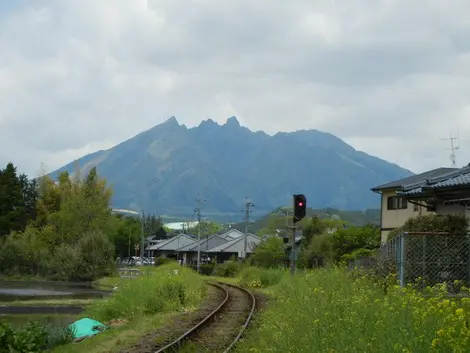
[13, 212]
[349, 240]
[269, 252]
[71, 236]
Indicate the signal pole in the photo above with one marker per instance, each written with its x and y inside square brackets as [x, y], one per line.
[198, 212]
[248, 205]
[300, 211]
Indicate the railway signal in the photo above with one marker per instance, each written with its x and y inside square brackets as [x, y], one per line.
[300, 211]
[300, 207]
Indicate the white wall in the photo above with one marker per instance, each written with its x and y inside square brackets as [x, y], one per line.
[451, 209]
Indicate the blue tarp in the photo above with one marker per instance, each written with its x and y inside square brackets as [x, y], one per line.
[86, 327]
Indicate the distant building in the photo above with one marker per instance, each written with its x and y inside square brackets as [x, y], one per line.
[181, 225]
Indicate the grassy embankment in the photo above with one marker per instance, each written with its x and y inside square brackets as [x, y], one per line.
[138, 306]
[137, 302]
[329, 310]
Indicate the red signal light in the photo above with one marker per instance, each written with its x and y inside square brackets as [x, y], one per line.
[301, 204]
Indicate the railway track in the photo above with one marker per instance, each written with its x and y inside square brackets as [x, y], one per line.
[220, 329]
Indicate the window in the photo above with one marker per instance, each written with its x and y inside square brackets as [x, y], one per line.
[396, 203]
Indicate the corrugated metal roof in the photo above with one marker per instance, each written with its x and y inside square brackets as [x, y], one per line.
[173, 243]
[206, 243]
[237, 245]
[232, 234]
[415, 179]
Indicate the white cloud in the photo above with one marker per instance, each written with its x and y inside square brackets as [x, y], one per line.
[391, 77]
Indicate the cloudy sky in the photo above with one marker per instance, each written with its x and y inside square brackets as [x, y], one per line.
[390, 77]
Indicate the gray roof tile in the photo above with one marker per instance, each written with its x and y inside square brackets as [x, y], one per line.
[415, 179]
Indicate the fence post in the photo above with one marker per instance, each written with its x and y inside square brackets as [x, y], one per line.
[424, 258]
[468, 259]
[402, 259]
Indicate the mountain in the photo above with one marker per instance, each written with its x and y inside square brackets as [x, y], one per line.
[164, 169]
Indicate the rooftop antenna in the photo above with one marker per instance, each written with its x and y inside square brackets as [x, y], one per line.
[453, 148]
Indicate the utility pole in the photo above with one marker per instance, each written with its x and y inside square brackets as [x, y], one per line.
[453, 148]
[248, 205]
[198, 212]
[129, 248]
[142, 238]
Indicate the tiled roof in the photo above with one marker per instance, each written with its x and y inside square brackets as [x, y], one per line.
[459, 177]
[415, 179]
[463, 179]
[411, 192]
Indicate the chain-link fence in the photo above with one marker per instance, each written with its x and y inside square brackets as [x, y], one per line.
[427, 258]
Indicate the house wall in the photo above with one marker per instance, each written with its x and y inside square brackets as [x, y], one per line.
[453, 209]
[391, 219]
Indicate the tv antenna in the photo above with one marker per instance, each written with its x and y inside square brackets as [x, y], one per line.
[454, 146]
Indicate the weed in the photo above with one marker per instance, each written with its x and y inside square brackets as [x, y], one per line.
[328, 310]
[255, 277]
[169, 288]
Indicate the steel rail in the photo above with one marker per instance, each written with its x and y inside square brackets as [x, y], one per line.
[178, 342]
[248, 319]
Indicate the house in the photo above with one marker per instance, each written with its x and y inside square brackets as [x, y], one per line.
[232, 234]
[234, 247]
[188, 253]
[168, 248]
[396, 209]
[444, 194]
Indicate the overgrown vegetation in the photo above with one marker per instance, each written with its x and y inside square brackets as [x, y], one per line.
[229, 268]
[170, 288]
[32, 337]
[329, 310]
[434, 223]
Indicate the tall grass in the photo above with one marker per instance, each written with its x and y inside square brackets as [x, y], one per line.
[255, 277]
[169, 288]
[329, 311]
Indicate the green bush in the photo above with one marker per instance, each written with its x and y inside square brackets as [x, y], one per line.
[207, 269]
[270, 252]
[170, 288]
[434, 223]
[229, 268]
[31, 338]
[159, 261]
[255, 277]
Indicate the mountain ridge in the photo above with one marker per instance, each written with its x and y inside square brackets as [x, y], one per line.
[165, 168]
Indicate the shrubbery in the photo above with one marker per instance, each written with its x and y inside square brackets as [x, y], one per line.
[255, 277]
[170, 288]
[434, 223]
[163, 261]
[229, 268]
[31, 338]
